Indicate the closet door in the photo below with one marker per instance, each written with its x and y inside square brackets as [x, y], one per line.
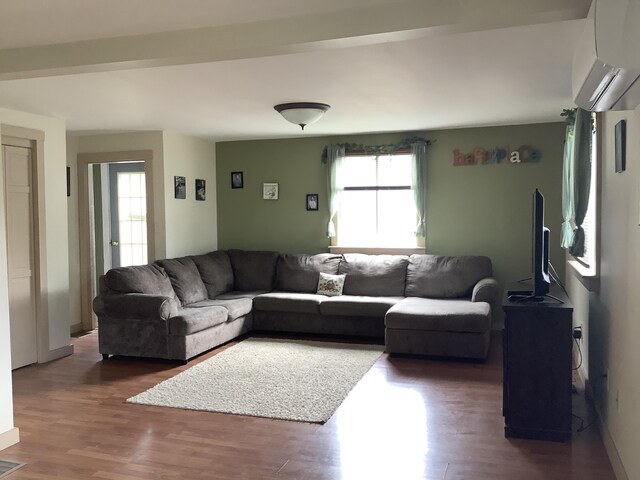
[20, 254]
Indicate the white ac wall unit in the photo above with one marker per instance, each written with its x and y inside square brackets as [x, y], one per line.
[606, 64]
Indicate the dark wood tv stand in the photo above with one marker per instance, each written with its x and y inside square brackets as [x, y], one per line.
[537, 346]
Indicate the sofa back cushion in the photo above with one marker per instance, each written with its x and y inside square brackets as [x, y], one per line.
[185, 278]
[149, 279]
[375, 275]
[215, 271]
[436, 276]
[300, 273]
[253, 270]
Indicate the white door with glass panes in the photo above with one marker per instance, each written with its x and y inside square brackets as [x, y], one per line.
[128, 201]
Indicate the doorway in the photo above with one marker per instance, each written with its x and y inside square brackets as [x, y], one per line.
[116, 217]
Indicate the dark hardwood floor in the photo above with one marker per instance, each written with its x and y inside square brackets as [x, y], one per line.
[407, 419]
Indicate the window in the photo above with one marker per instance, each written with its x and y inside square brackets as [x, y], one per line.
[589, 223]
[377, 207]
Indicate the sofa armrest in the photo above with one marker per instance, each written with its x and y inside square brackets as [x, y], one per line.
[135, 305]
[486, 290]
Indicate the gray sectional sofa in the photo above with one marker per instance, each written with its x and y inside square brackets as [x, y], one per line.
[179, 308]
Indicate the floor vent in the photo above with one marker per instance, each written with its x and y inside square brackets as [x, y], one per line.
[6, 467]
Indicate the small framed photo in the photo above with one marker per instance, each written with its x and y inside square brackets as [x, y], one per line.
[270, 191]
[201, 191]
[237, 180]
[180, 187]
[312, 202]
[621, 146]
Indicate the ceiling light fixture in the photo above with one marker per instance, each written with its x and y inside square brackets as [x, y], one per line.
[302, 113]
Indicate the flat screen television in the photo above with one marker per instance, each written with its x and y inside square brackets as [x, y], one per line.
[540, 249]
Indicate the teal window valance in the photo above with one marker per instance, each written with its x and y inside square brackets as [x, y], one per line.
[375, 150]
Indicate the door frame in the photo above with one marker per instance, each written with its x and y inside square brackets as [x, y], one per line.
[89, 289]
[34, 139]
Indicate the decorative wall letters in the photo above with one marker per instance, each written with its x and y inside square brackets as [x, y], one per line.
[497, 155]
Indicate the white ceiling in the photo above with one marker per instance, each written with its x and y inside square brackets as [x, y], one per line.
[439, 64]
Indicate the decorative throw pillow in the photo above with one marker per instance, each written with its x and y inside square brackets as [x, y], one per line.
[330, 285]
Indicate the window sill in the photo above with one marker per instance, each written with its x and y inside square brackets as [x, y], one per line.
[588, 277]
[377, 250]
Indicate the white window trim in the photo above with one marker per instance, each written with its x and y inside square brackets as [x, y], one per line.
[417, 248]
[377, 250]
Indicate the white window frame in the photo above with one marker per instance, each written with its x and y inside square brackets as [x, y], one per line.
[400, 249]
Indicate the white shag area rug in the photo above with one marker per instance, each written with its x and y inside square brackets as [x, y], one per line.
[286, 379]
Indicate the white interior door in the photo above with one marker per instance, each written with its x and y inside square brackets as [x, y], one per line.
[20, 253]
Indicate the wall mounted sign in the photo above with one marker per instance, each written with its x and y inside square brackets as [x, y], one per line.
[497, 155]
[180, 187]
[237, 180]
[201, 189]
[270, 191]
[621, 146]
[312, 202]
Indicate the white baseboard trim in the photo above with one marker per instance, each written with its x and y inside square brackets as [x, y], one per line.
[8, 438]
[55, 354]
[77, 328]
[607, 440]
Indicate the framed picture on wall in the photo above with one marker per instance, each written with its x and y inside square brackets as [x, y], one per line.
[270, 191]
[621, 146]
[180, 187]
[237, 180]
[201, 192]
[312, 202]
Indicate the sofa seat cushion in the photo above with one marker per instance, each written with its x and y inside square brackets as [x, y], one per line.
[185, 278]
[358, 306]
[237, 307]
[289, 302]
[216, 272]
[438, 276]
[375, 275]
[445, 315]
[190, 320]
[232, 295]
[299, 273]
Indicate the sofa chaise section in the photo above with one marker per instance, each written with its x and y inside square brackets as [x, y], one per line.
[447, 309]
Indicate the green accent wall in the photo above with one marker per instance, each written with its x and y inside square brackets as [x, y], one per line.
[474, 210]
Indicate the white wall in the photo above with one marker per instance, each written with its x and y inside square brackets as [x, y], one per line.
[120, 142]
[611, 316]
[6, 401]
[55, 191]
[191, 224]
[56, 336]
[75, 306]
